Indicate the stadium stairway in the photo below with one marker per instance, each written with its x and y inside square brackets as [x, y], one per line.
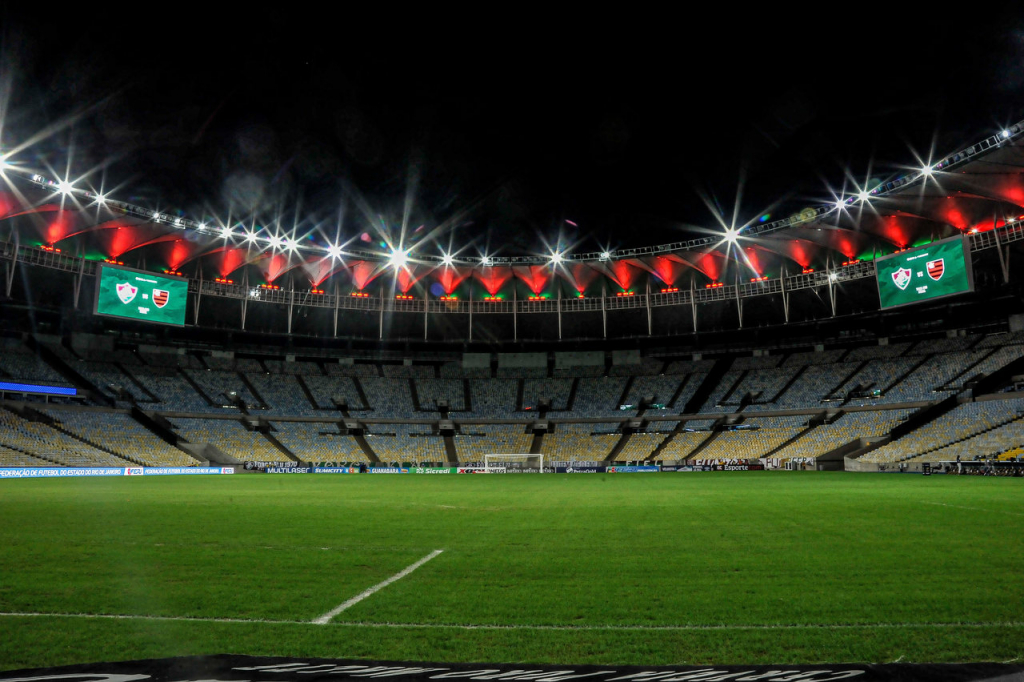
[538, 440]
[365, 447]
[832, 393]
[792, 380]
[306, 392]
[252, 390]
[57, 427]
[275, 442]
[617, 448]
[703, 391]
[414, 395]
[668, 439]
[896, 382]
[150, 396]
[812, 423]
[67, 371]
[195, 387]
[449, 450]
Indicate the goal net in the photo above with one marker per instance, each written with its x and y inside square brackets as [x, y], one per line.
[526, 463]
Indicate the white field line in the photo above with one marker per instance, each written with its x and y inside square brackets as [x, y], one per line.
[582, 628]
[987, 511]
[326, 618]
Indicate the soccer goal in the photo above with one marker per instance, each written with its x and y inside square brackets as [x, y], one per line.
[532, 463]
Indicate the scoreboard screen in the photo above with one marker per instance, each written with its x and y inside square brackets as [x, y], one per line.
[940, 269]
[140, 295]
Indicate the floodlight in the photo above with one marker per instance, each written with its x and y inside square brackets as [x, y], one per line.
[833, 276]
[334, 251]
[275, 241]
[863, 195]
[556, 258]
[731, 235]
[1006, 133]
[100, 199]
[250, 236]
[64, 187]
[485, 260]
[290, 244]
[4, 165]
[840, 205]
[605, 255]
[926, 171]
[447, 259]
[398, 258]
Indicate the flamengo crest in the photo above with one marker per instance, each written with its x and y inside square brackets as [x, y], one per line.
[160, 297]
[126, 292]
[901, 278]
[935, 268]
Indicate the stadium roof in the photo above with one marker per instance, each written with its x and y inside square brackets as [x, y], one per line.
[968, 191]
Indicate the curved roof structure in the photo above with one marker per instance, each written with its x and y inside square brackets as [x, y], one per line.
[971, 191]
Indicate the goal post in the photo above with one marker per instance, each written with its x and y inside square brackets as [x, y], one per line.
[514, 461]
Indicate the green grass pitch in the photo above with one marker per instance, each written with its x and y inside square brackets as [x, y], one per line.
[744, 568]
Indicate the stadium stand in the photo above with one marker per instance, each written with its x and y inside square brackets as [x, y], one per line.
[477, 440]
[318, 442]
[842, 430]
[45, 442]
[231, 437]
[122, 434]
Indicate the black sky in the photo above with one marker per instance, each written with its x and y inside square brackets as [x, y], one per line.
[504, 122]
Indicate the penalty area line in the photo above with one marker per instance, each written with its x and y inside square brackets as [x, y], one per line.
[326, 618]
[483, 626]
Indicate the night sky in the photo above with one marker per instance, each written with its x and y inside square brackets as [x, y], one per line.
[492, 127]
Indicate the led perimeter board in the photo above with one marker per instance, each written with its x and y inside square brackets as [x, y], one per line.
[942, 268]
[140, 295]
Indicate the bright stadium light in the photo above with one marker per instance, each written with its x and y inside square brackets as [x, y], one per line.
[398, 258]
[334, 251]
[447, 260]
[290, 244]
[225, 231]
[485, 260]
[556, 258]
[840, 205]
[275, 241]
[64, 187]
[863, 195]
[926, 171]
[100, 199]
[605, 255]
[731, 235]
[250, 236]
[1006, 133]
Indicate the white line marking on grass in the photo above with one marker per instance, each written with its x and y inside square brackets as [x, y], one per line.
[326, 618]
[582, 628]
[987, 511]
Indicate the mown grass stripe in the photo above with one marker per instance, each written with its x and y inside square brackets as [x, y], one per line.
[484, 626]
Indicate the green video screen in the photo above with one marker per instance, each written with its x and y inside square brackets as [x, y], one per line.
[140, 295]
[940, 269]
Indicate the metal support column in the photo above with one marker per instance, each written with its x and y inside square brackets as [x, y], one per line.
[1004, 256]
[559, 304]
[291, 301]
[785, 294]
[693, 301]
[245, 299]
[647, 300]
[199, 295]
[739, 301]
[426, 310]
[831, 284]
[604, 309]
[515, 316]
[471, 310]
[10, 265]
[78, 280]
[381, 332]
[337, 302]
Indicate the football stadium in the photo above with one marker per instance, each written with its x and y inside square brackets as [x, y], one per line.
[782, 448]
